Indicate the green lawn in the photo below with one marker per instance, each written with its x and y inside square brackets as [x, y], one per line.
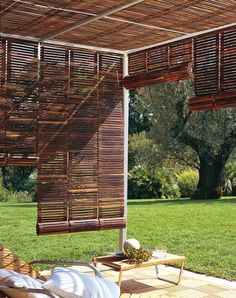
[203, 231]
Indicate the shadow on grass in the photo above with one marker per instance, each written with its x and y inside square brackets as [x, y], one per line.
[175, 202]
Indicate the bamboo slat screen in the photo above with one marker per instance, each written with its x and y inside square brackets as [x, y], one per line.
[63, 113]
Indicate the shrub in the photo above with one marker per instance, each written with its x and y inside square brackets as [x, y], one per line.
[7, 195]
[170, 188]
[230, 179]
[10, 196]
[146, 183]
[29, 186]
[187, 181]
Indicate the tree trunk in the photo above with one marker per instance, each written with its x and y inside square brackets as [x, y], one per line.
[210, 179]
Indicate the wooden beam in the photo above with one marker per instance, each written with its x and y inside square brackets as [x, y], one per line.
[90, 20]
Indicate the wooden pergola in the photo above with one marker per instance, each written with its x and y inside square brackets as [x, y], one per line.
[63, 105]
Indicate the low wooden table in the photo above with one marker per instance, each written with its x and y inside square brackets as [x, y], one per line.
[121, 264]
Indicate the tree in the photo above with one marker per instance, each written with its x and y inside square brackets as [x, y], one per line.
[204, 140]
[139, 118]
[14, 177]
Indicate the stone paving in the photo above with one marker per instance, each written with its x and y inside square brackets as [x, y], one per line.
[142, 283]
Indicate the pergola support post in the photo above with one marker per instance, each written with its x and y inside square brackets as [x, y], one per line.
[123, 232]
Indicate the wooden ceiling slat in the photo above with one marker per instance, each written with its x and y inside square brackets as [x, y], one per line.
[79, 24]
[121, 30]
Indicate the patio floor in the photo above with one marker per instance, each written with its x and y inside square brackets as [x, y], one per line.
[142, 283]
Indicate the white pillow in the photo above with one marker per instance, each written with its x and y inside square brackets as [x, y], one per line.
[69, 283]
[17, 280]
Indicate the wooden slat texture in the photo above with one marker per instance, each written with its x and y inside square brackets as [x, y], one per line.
[213, 102]
[110, 142]
[161, 64]
[64, 114]
[169, 75]
[206, 64]
[211, 62]
[83, 147]
[21, 103]
[53, 141]
[228, 60]
[2, 101]
[214, 71]
[10, 261]
[180, 52]
[142, 24]
[80, 131]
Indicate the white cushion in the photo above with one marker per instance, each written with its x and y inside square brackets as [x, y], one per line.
[17, 280]
[70, 283]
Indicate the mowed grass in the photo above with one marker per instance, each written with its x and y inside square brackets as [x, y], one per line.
[203, 231]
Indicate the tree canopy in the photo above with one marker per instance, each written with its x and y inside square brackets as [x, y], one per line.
[204, 140]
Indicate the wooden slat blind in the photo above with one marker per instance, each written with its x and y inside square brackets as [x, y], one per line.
[180, 53]
[137, 62]
[80, 180]
[21, 103]
[228, 61]
[157, 58]
[214, 71]
[52, 141]
[206, 64]
[213, 102]
[83, 147]
[2, 101]
[209, 58]
[161, 64]
[110, 142]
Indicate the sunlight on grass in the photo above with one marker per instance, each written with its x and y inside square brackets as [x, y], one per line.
[203, 231]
